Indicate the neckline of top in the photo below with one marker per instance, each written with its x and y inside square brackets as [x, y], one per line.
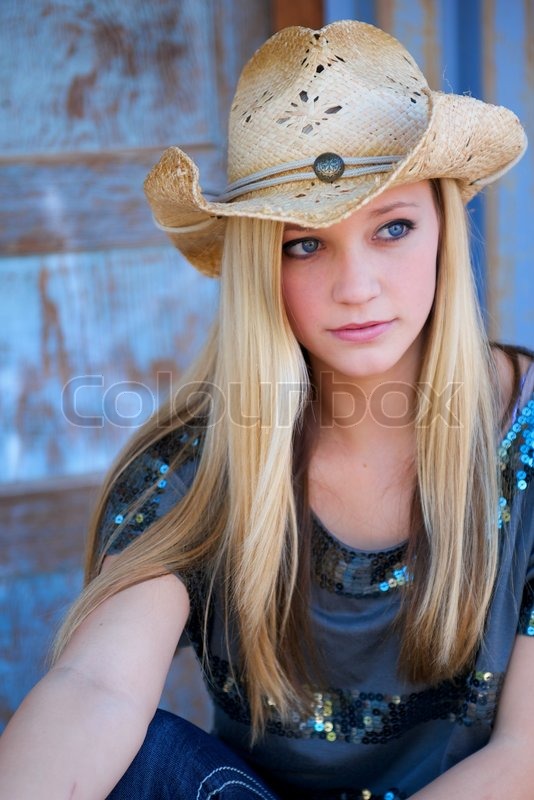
[320, 527]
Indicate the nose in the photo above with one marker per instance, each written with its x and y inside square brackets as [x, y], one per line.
[356, 280]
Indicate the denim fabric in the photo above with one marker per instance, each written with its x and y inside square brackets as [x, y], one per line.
[178, 761]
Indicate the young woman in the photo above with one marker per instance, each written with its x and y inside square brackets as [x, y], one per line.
[337, 506]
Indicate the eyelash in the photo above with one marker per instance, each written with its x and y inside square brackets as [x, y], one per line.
[294, 242]
[408, 225]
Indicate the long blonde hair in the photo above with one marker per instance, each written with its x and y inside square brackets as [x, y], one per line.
[243, 517]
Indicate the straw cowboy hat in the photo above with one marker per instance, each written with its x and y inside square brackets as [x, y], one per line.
[322, 122]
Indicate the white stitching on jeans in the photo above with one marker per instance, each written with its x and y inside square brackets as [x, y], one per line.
[239, 772]
[238, 783]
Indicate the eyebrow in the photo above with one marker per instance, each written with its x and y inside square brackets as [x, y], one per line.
[376, 212]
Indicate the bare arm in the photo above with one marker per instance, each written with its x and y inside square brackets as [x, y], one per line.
[505, 767]
[78, 730]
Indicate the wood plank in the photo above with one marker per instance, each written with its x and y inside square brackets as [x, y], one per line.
[107, 75]
[85, 202]
[92, 344]
[31, 608]
[44, 525]
[240, 27]
[308, 13]
[119, 75]
[417, 25]
[86, 193]
[508, 33]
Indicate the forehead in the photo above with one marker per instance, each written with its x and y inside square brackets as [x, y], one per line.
[407, 196]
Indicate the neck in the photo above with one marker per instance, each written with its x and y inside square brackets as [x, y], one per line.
[369, 411]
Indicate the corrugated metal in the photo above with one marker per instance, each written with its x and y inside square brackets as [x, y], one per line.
[485, 47]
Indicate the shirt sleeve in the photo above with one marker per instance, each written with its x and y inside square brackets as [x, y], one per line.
[517, 504]
[145, 491]
[526, 615]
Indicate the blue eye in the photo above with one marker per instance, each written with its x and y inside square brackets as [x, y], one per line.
[300, 248]
[397, 229]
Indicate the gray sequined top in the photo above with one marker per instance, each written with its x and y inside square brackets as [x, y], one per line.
[368, 734]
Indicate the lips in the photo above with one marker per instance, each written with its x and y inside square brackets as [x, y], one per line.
[361, 332]
[356, 326]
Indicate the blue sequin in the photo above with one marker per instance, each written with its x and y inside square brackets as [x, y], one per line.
[523, 451]
[119, 518]
[164, 468]
[384, 586]
[162, 483]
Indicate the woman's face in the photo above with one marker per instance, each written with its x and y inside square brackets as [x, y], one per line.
[358, 294]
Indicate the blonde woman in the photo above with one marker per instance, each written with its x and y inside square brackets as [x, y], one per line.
[337, 506]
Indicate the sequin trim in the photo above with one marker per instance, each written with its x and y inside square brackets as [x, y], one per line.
[526, 619]
[339, 715]
[358, 794]
[355, 573]
[148, 476]
[516, 460]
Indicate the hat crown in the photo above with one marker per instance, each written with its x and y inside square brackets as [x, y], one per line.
[322, 122]
[349, 88]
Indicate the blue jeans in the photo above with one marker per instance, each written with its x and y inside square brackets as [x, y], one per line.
[179, 761]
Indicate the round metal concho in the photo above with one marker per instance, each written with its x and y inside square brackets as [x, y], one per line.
[329, 167]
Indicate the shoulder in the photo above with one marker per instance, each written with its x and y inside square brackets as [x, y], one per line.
[516, 449]
[148, 487]
[515, 380]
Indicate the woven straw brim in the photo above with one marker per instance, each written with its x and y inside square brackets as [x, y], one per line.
[466, 139]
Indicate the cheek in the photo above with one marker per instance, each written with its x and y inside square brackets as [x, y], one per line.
[296, 298]
[422, 282]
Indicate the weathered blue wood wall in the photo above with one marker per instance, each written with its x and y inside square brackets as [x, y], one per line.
[99, 313]
[90, 93]
[486, 48]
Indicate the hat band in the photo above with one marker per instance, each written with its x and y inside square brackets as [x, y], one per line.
[327, 167]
